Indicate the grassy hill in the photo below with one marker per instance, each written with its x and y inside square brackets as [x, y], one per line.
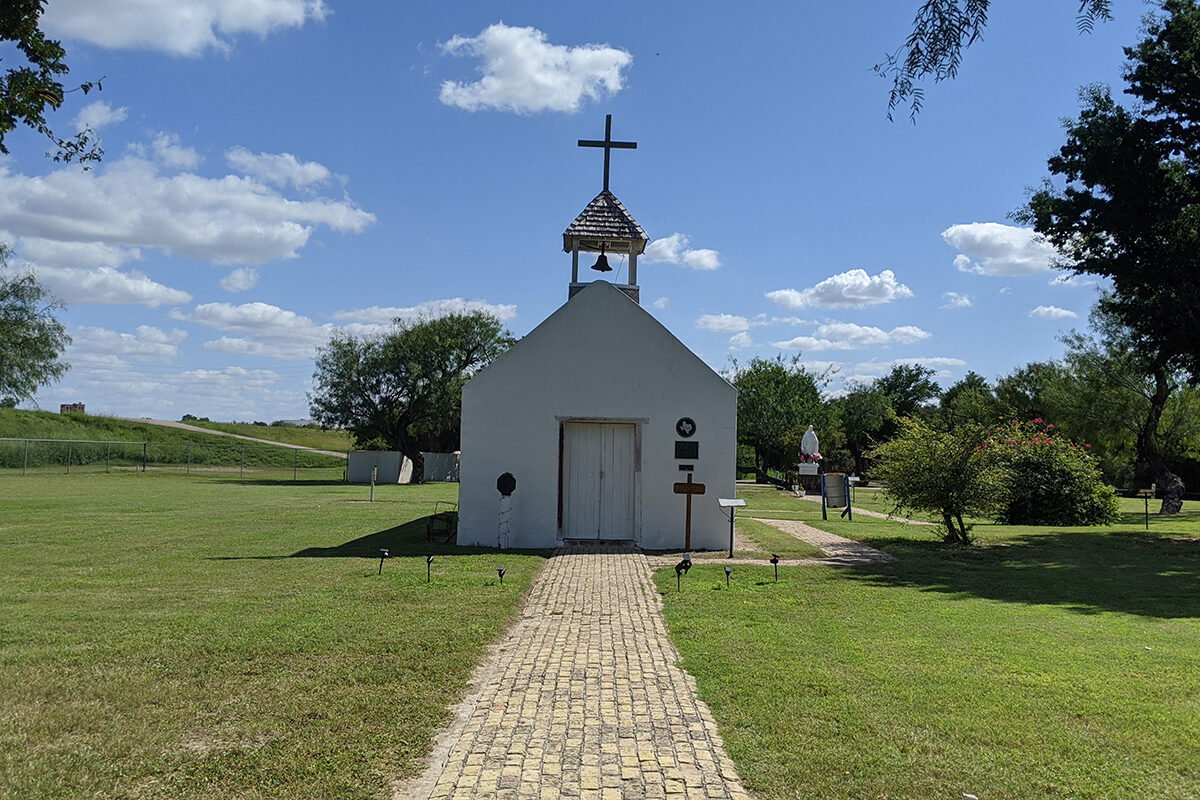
[305, 437]
[16, 424]
[165, 447]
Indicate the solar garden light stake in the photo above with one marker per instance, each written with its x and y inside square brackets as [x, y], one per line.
[383, 553]
[428, 568]
[775, 564]
[500, 572]
[728, 570]
[682, 567]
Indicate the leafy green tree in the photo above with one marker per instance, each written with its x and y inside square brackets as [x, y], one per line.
[31, 339]
[942, 30]
[951, 473]
[1129, 398]
[777, 401]
[971, 400]
[404, 387]
[32, 87]
[1125, 203]
[865, 411]
[1027, 392]
[910, 389]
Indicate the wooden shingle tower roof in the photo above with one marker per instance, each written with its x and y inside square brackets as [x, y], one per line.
[605, 221]
[605, 226]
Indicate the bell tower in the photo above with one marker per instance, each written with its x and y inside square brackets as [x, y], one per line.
[605, 227]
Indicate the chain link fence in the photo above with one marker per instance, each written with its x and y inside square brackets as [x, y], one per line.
[33, 456]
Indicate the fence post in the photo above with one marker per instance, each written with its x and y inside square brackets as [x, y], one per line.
[144, 446]
[25, 465]
[68, 456]
[295, 463]
[107, 456]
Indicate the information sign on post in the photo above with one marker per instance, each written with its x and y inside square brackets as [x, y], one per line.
[732, 505]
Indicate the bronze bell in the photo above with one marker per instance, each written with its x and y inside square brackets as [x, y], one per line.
[601, 264]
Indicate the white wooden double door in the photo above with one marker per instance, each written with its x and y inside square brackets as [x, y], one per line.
[599, 486]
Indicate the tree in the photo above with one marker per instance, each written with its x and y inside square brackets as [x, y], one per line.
[949, 473]
[942, 30]
[1126, 204]
[777, 401]
[404, 387]
[971, 400]
[865, 411]
[1118, 390]
[1025, 393]
[28, 90]
[909, 388]
[31, 339]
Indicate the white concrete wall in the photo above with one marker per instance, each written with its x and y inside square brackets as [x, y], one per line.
[599, 357]
[392, 465]
[441, 467]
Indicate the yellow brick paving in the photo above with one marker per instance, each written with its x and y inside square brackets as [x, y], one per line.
[585, 700]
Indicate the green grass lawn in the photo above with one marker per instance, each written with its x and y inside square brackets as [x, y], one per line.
[208, 637]
[1038, 663]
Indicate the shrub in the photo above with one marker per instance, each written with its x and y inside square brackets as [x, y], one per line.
[1049, 479]
[949, 473]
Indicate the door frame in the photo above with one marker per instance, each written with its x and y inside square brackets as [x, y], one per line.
[637, 423]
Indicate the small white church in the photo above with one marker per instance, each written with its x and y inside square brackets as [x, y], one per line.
[591, 426]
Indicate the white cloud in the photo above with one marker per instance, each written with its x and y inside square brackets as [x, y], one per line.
[429, 309]
[1072, 280]
[146, 344]
[992, 249]
[278, 169]
[129, 204]
[875, 368]
[179, 27]
[99, 115]
[956, 300]
[51, 253]
[522, 72]
[740, 341]
[168, 150]
[851, 289]
[762, 321]
[674, 249]
[660, 303]
[265, 330]
[240, 280]
[1052, 312]
[107, 286]
[723, 323]
[849, 336]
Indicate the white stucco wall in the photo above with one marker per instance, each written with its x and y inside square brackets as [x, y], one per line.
[599, 357]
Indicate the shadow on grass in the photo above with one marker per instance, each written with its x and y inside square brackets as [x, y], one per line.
[1087, 572]
[408, 539]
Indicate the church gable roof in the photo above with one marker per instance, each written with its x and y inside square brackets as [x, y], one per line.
[599, 327]
[605, 220]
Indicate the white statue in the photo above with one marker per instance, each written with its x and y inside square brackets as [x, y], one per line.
[809, 445]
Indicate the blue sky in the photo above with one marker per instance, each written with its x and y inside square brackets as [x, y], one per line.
[292, 167]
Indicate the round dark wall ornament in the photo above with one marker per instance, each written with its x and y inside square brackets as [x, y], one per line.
[506, 484]
[686, 427]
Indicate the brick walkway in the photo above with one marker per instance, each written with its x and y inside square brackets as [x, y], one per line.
[584, 700]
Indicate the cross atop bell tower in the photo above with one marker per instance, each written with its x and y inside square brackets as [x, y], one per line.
[604, 226]
[608, 144]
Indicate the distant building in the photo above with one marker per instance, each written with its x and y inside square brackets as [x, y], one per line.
[71, 408]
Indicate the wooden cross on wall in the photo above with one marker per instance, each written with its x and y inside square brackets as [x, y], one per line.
[608, 144]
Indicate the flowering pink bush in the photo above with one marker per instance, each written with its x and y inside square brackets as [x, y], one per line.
[1049, 480]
